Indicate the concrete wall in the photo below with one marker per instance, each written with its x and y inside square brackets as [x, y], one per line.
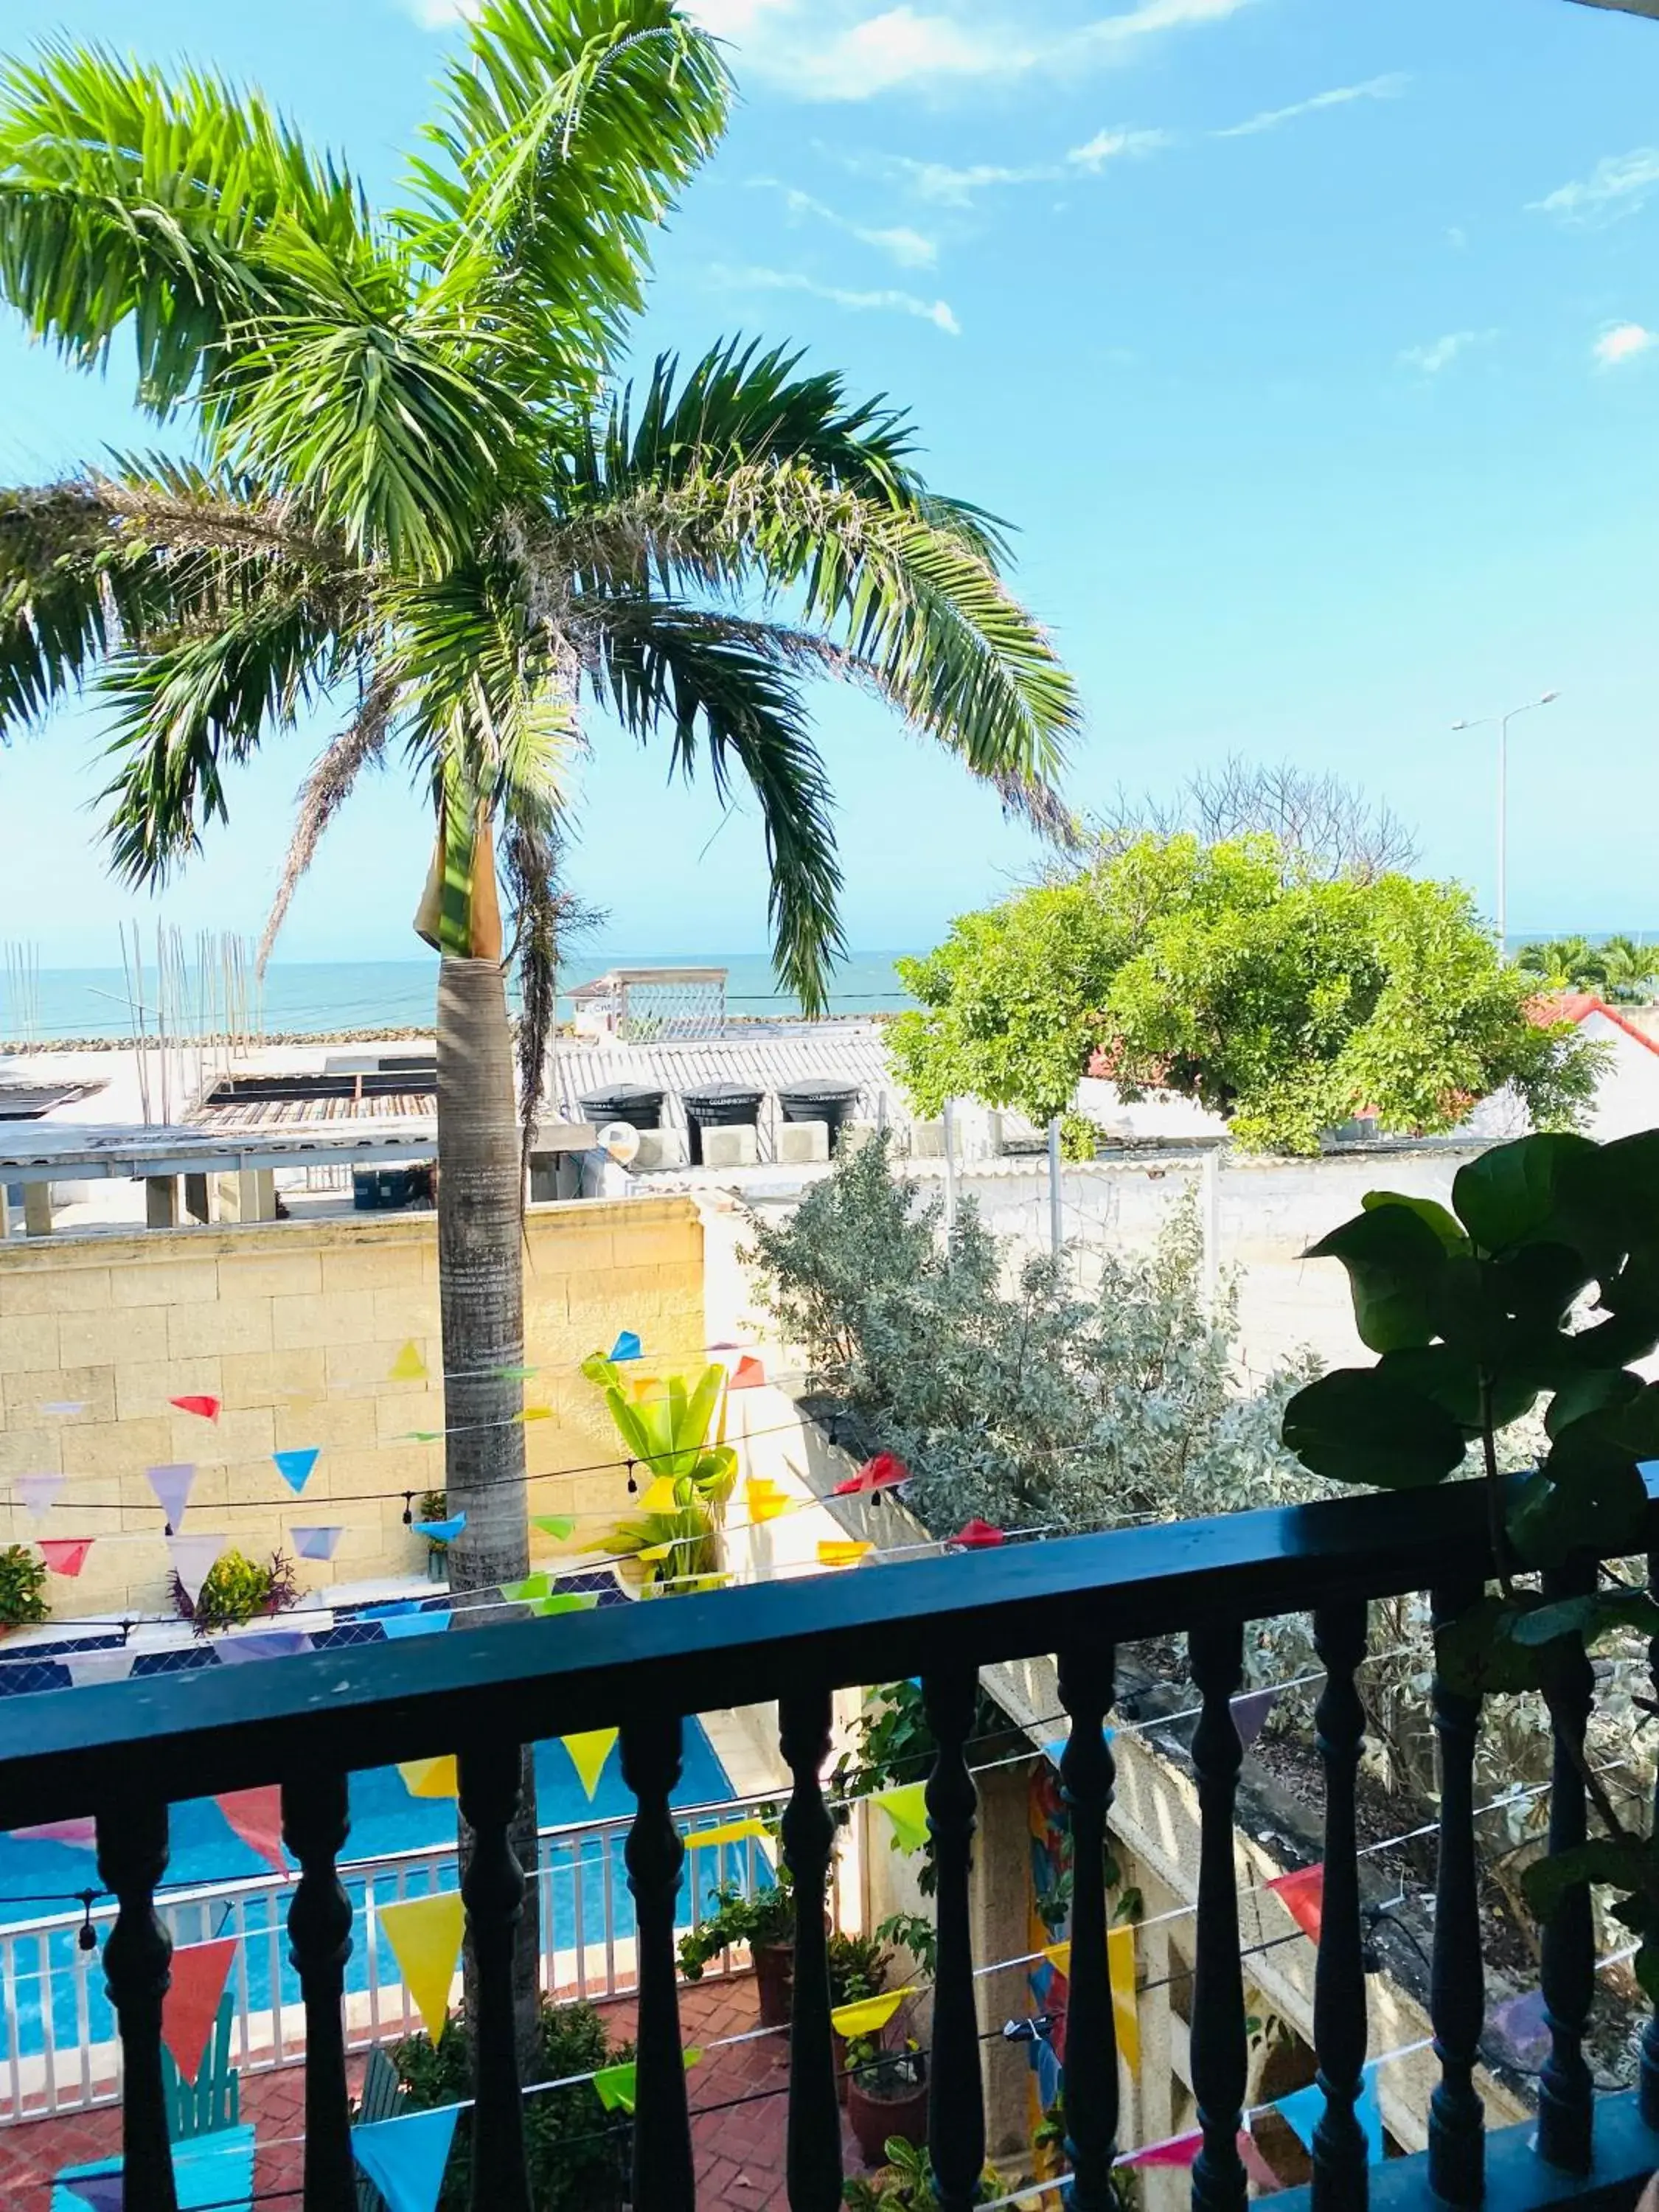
[295, 1325]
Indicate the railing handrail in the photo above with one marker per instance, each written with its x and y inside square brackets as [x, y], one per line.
[182, 1736]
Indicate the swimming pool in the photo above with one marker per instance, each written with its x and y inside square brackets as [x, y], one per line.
[584, 1890]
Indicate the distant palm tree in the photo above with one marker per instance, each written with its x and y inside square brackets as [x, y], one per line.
[1628, 968]
[1564, 964]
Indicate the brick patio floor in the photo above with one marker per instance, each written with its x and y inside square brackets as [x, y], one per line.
[739, 2149]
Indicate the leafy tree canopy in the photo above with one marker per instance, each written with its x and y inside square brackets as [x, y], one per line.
[1219, 972]
[1616, 968]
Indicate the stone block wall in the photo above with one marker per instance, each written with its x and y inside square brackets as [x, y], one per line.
[295, 1327]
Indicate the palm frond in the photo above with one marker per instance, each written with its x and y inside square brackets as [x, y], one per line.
[332, 781]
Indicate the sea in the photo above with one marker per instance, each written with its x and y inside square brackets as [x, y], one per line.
[324, 998]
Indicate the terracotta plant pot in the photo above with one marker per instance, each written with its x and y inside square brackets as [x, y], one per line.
[774, 1981]
[876, 2120]
[838, 2051]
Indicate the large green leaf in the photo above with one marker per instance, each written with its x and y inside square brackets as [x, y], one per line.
[1589, 1618]
[1451, 1378]
[1600, 1390]
[1481, 1653]
[1619, 1862]
[1507, 1196]
[1360, 1424]
[1396, 1261]
[1593, 1499]
[1444, 1225]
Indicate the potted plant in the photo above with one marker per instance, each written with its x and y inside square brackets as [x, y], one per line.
[683, 1471]
[434, 1506]
[766, 1923]
[22, 1587]
[886, 2095]
[858, 1969]
[236, 1590]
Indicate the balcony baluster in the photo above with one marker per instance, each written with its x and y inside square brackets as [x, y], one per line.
[1087, 1686]
[663, 2176]
[814, 2163]
[316, 1822]
[493, 1888]
[1458, 2140]
[955, 2104]
[1340, 2178]
[1649, 2084]
[1220, 2053]
[132, 1857]
[1567, 1953]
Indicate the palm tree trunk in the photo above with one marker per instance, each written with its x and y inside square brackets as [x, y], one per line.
[481, 1291]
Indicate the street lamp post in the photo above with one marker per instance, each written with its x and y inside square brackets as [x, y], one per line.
[1485, 722]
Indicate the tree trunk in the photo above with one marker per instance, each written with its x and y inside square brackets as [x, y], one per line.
[481, 1291]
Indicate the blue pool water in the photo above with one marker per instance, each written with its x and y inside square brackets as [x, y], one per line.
[385, 1819]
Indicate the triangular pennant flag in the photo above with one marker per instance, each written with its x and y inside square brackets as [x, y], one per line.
[430, 1777]
[907, 1808]
[316, 1543]
[194, 1559]
[841, 1552]
[266, 1644]
[1121, 1971]
[1251, 1714]
[112, 1665]
[617, 2087]
[255, 1818]
[589, 1753]
[423, 1436]
[1302, 1893]
[626, 1346]
[1254, 2163]
[1176, 2151]
[734, 1832]
[515, 1374]
[191, 2006]
[64, 1408]
[1524, 2025]
[749, 1375]
[978, 1536]
[79, 1835]
[99, 2192]
[764, 1499]
[884, 1472]
[173, 1486]
[535, 1414]
[65, 1555]
[870, 2014]
[295, 1467]
[40, 1492]
[408, 1366]
[566, 1601]
[1059, 1956]
[406, 2158]
[1303, 2110]
[441, 1532]
[425, 1935]
[558, 1526]
[204, 1408]
[400, 1625]
[527, 1591]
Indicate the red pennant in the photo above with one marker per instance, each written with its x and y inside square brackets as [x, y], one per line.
[207, 1407]
[192, 2003]
[881, 1472]
[256, 1817]
[979, 1536]
[749, 1375]
[1177, 2151]
[1303, 1895]
[65, 1555]
[1255, 2164]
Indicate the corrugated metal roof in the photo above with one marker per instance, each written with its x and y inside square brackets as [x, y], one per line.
[851, 1052]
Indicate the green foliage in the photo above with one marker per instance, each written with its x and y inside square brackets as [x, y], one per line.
[674, 1433]
[1224, 974]
[23, 1586]
[235, 1590]
[1618, 967]
[736, 1919]
[858, 1966]
[579, 2156]
[434, 1506]
[1026, 1405]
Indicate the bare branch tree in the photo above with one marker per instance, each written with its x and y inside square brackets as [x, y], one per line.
[1330, 826]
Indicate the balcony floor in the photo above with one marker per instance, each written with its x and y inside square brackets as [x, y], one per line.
[740, 2151]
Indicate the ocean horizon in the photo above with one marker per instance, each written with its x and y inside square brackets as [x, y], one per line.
[321, 998]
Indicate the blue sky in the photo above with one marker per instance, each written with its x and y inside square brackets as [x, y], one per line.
[1313, 346]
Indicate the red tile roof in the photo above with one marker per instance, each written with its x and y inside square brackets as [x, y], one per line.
[1578, 1006]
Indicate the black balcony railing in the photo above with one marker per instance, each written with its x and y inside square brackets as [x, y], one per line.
[127, 1752]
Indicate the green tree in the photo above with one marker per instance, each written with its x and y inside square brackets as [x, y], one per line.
[1565, 964]
[1283, 1003]
[1628, 968]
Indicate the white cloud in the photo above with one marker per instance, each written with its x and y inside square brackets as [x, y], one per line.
[946, 185]
[1624, 342]
[1441, 353]
[1108, 145]
[908, 248]
[936, 312]
[1376, 88]
[1616, 186]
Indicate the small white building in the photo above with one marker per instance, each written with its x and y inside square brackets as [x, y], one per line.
[1627, 1098]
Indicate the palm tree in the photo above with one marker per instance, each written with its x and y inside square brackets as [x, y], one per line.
[1627, 967]
[1564, 964]
[415, 500]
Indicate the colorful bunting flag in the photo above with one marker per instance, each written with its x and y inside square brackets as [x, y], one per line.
[764, 1499]
[907, 1808]
[1523, 2024]
[114, 1663]
[842, 1552]
[65, 1555]
[99, 2192]
[617, 2087]
[425, 1935]
[1120, 1972]
[316, 1543]
[255, 1818]
[1302, 1893]
[64, 1408]
[1250, 1713]
[884, 1472]
[78, 1835]
[1254, 2163]
[546, 1608]
[626, 1346]
[408, 1366]
[733, 1832]
[559, 1526]
[526, 1592]
[515, 1374]
[430, 1777]
[1301, 2111]
[535, 1414]
[749, 1375]
[173, 1486]
[404, 1625]
[194, 1559]
[589, 1753]
[295, 1467]
[204, 1407]
[40, 1492]
[978, 1535]
[406, 2158]
[870, 2014]
[442, 1532]
[264, 1643]
[191, 2006]
[1175, 2151]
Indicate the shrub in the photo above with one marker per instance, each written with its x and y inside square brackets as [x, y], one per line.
[23, 1586]
[237, 1589]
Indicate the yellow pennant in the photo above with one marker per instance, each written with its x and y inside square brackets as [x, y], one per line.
[907, 1809]
[430, 1777]
[766, 1501]
[1120, 1968]
[870, 2015]
[536, 1414]
[841, 1552]
[589, 1755]
[663, 1497]
[735, 1831]
[425, 1935]
[408, 1366]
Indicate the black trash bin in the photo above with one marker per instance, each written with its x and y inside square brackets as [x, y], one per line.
[718, 1106]
[636, 1104]
[823, 1098]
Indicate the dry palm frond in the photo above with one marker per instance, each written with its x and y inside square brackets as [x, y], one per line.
[323, 793]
